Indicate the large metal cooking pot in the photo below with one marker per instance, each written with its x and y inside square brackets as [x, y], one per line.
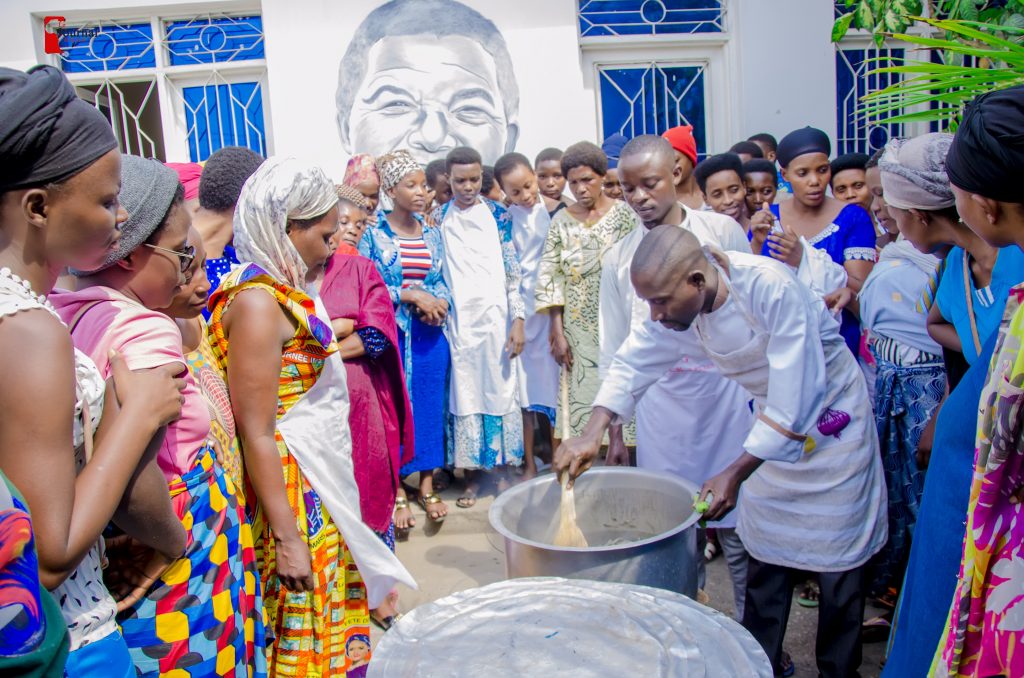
[640, 525]
[547, 626]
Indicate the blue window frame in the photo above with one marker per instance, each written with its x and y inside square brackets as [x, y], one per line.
[208, 40]
[651, 99]
[114, 47]
[649, 17]
[224, 115]
[854, 80]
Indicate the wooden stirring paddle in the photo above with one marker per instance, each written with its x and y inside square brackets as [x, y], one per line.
[569, 532]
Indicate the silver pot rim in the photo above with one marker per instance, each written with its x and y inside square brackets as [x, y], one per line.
[497, 508]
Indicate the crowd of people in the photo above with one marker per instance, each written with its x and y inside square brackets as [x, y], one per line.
[225, 382]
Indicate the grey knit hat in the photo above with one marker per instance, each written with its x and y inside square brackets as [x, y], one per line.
[147, 190]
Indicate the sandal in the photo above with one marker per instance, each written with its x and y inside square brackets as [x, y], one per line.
[467, 500]
[430, 500]
[402, 504]
[875, 630]
[710, 551]
[809, 595]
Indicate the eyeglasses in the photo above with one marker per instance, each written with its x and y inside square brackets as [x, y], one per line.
[185, 257]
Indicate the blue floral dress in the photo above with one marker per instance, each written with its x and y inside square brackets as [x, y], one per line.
[424, 348]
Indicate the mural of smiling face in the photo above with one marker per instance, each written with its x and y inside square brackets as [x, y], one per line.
[429, 76]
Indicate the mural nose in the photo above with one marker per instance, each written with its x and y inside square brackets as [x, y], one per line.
[432, 134]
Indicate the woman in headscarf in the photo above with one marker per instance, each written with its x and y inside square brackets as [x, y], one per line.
[361, 174]
[409, 255]
[569, 277]
[844, 230]
[985, 631]
[271, 335]
[909, 376]
[213, 577]
[976, 280]
[59, 175]
[380, 416]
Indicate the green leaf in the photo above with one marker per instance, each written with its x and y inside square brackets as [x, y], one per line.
[841, 27]
[892, 21]
[865, 18]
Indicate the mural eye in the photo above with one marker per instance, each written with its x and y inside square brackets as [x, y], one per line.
[396, 107]
[473, 115]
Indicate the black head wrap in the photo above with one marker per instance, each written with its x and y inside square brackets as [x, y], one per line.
[800, 142]
[47, 133]
[987, 153]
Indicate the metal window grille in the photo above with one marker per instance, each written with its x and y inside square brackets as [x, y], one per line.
[652, 98]
[855, 132]
[110, 47]
[130, 107]
[207, 40]
[194, 83]
[221, 113]
[649, 17]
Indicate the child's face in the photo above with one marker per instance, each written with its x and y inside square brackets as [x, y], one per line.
[520, 185]
[761, 188]
[442, 190]
[851, 186]
[351, 223]
[495, 193]
[726, 194]
[465, 181]
[611, 186]
[550, 179]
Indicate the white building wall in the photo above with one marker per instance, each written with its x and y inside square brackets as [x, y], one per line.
[774, 72]
[785, 69]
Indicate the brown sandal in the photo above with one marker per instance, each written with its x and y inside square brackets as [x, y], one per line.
[428, 501]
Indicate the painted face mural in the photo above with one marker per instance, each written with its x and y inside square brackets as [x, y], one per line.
[427, 75]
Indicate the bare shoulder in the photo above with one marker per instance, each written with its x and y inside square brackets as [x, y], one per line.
[255, 312]
[39, 352]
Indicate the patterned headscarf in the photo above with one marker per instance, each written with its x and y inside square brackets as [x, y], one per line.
[913, 173]
[394, 167]
[360, 168]
[349, 194]
[281, 189]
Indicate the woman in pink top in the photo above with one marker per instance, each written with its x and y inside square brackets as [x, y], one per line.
[201, 613]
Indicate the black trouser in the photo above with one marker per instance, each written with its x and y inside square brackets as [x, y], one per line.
[840, 614]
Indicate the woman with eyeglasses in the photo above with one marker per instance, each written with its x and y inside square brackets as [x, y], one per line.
[187, 540]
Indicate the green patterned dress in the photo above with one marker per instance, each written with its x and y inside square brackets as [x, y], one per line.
[570, 276]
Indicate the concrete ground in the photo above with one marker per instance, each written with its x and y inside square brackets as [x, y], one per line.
[464, 552]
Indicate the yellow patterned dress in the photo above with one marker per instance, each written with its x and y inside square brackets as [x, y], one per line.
[570, 276]
[324, 632]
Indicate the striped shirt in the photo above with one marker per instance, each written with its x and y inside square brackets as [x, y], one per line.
[416, 261]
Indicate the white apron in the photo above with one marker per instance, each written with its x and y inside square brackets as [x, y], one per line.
[484, 380]
[538, 371]
[678, 432]
[316, 432]
[827, 511]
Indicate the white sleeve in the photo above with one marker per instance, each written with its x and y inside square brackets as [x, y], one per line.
[818, 271]
[613, 313]
[734, 239]
[796, 369]
[644, 357]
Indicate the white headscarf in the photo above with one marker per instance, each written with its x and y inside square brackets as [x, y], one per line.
[281, 189]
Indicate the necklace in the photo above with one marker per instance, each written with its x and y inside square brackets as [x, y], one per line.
[20, 287]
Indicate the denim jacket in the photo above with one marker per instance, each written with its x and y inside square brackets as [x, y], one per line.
[380, 245]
